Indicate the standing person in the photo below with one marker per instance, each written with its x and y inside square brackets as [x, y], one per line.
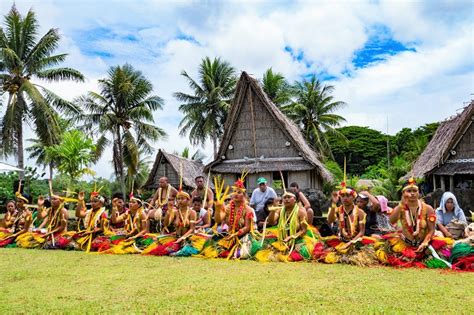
[163, 197]
[450, 218]
[371, 206]
[200, 191]
[261, 198]
[303, 201]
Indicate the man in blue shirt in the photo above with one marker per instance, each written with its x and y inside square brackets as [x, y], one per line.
[261, 198]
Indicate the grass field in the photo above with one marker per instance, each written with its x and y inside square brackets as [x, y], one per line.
[40, 281]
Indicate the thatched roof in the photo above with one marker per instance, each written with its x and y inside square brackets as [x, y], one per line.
[191, 169]
[434, 158]
[307, 160]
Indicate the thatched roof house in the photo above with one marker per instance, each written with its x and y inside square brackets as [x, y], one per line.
[259, 138]
[448, 160]
[167, 164]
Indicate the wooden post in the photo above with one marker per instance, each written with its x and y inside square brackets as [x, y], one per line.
[451, 183]
[434, 182]
[443, 186]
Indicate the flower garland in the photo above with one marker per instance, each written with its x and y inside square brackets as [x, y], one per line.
[184, 220]
[412, 221]
[353, 224]
[160, 202]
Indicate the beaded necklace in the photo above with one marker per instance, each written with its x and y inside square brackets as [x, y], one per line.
[234, 217]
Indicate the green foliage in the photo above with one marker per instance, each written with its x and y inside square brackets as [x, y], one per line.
[276, 87]
[410, 144]
[313, 111]
[73, 155]
[364, 147]
[88, 283]
[123, 112]
[6, 186]
[205, 111]
[23, 57]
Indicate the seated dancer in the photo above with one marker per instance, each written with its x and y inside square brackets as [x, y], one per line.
[181, 220]
[417, 221]
[15, 223]
[303, 201]
[351, 219]
[118, 209]
[450, 219]
[134, 235]
[204, 192]
[10, 216]
[54, 225]
[350, 245]
[163, 199]
[291, 242]
[236, 220]
[94, 220]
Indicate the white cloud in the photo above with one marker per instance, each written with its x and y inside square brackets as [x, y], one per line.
[410, 88]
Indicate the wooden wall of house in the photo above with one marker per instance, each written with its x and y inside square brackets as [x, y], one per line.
[165, 169]
[302, 178]
[465, 148]
[270, 140]
[305, 179]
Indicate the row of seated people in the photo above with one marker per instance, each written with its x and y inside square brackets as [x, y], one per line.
[187, 230]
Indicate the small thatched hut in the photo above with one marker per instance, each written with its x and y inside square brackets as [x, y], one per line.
[259, 138]
[448, 160]
[167, 164]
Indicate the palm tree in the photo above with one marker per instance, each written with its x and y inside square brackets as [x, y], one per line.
[37, 149]
[123, 109]
[23, 57]
[313, 112]
[196, 156]
[73, 155]
[205, 111]
[276, 87]
[136, 173]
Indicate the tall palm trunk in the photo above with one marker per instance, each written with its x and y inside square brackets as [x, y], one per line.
[214, 143]
[19, 134]
[118, 160]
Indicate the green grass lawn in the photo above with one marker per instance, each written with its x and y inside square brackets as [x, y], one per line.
[40, 281]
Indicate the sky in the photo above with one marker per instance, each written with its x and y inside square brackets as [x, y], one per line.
[396, 64]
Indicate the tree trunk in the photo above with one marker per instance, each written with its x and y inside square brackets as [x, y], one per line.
[51, 172]
[20, 156]
[214, 143]
[118, 160]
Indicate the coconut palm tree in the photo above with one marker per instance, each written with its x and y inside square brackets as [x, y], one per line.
[276, 87]
[313, 111]
[205, 111]
[122, 111]
[24, 57]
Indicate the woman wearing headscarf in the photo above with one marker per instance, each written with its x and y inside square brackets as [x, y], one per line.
[450, 212]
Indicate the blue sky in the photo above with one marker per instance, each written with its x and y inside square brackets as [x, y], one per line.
[406, 61]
